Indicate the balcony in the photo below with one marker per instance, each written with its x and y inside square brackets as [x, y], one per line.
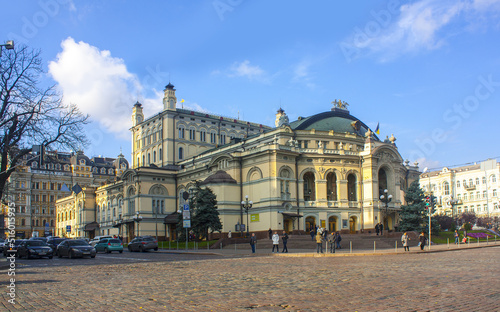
[470, 187]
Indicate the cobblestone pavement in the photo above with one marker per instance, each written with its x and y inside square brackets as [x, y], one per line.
[463, 280]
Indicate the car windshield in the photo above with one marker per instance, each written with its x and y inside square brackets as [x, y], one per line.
[36, 243]
[115, 241]
[78, 242]
[18, 242]
[57, 240]
[148, 239]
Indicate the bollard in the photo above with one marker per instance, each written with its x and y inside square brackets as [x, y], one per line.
[448, 242]
[478, 241]
[177, 245]
[487, 236]
[468, 241]
[350, 246]
[169, 245]
[234, 246]
[396, 244]
[374, 246]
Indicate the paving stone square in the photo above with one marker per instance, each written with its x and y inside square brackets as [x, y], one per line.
[463, 280]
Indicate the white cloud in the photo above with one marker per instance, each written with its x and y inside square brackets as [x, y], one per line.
[100, 85]
[421, 25]
[301, 73]
[244, 69]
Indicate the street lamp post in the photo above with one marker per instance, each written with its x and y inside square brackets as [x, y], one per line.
[453, 202]
[247, 204]
[9, 45]
[386, 199]
[137, 218]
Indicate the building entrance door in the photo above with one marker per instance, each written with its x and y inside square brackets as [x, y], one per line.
[332, 224]
[352, 225]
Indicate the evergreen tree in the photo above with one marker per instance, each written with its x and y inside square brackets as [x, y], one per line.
[415, 216]
[204, 214]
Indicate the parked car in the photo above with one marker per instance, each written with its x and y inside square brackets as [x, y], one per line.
[34, 248]
[2, 242]
[54, 241]
[8, 249]
[73, 248]
[143, 243]
[97, 239]
[109, 245]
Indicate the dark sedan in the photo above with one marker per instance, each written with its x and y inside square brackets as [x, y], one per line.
[73, 248]
[10, 246]
[53, 242]
[143, 243]
[34, 248]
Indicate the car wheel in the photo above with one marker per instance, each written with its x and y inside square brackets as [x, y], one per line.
[59, 255]
[120, 251]
[156, 249]
[129, 248]
[142, 249]
[106, 250]
[50, 257]
[27, 256]
[92, 256]
[71, 255]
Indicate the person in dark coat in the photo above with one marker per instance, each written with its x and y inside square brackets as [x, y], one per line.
[381, 229]
[377, 228]
[284, 238]
[253, 241]
[422, 239]
[312, 234]
[332, 241]
[270, 232]
[338, 239]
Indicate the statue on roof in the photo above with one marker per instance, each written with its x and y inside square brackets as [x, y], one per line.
[340, 104]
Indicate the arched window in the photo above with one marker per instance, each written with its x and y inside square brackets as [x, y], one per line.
[477, 181]
[181, 132]
[331, 186]
[382, 181]
[154, 156]
[493, 178]
[483, 180]
[458, 183]
[181, 153]
[446, 188]
[285, 184]
[351, 187]
[159, 155]
[309, 187]
[149, 158]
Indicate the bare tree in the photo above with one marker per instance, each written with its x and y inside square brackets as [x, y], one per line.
[32, 114]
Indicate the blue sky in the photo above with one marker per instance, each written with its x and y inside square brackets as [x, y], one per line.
[428, 71]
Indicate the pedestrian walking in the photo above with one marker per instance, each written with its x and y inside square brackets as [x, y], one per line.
[270, 232]
[276, 241]
[253, 241]
[377, 228]
[404, 239]
[422, 239]
[312, 234]
[229, 234]
[319, 242]
[284, 238]
[332, 242]
[457, 238]
[381, 229]
[338, 239]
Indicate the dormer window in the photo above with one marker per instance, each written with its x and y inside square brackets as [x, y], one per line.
[94, 170]
[110, 171]
[34, 164]
[103, 171]
[82, 162]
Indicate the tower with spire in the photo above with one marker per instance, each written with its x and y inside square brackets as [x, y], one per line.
[169, 98]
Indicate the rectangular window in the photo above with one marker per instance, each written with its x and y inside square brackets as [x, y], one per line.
[192, 134]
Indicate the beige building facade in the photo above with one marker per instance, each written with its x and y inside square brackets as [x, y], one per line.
[325, 170]
[473, 188]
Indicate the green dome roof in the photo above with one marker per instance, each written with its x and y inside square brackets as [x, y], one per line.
[338, 120]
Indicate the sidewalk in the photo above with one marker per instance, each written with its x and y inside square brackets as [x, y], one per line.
[245, 250]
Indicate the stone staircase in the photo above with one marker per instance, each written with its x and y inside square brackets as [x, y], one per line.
[359, 242]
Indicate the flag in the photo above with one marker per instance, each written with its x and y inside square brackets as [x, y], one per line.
[377, 130]
[182, 101]
[64, 188]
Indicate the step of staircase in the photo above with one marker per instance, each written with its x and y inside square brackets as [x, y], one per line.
[358, 241]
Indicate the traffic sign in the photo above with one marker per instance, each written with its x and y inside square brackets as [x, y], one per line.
[68, 228]
[186, 223]
[186, 207]
[186, 215]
